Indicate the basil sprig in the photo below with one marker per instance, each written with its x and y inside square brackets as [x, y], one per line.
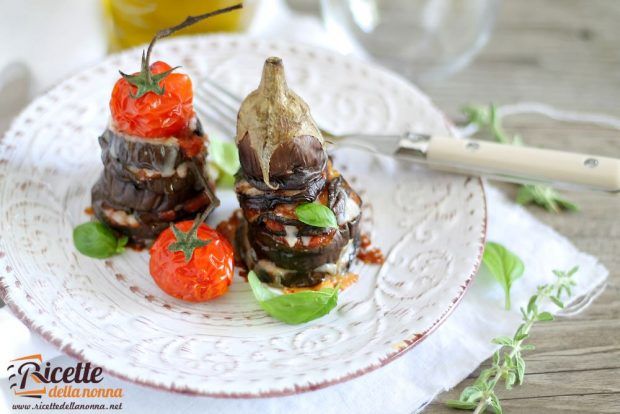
[294, 308]
[225, 158]
[95, 239]
[316, 215]
[505, 266]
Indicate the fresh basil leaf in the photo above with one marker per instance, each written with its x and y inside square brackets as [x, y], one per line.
[225, 180]
[225, 155]
[95, 239]
[505, 266]
[316, 215]
[294, 308]
[261, 291]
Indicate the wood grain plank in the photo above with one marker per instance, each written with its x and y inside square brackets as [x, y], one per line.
[564, 53]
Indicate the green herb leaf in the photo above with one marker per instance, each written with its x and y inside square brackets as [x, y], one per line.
[496, 357]
[521, 336]
[502, 340]
[545, 316]
[294, 308]
[95, 239]
[511, 378]
[545, 197]
[225, 155]
[532, 307]
[497, 408]
[477, 114]
[508, 363]
[224, 158]
[461, 405]
[505, 266]
[557, 302]
[316, 215]
[225, 180]
[261, 292]
[520, 365]
[471, 394]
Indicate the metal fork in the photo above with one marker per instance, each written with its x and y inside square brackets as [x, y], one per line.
[518, 164]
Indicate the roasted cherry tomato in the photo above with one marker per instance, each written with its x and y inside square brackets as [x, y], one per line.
[192, 262]
[153, 115]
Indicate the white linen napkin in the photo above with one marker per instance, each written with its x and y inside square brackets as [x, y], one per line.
[437, 364]
[407, 384]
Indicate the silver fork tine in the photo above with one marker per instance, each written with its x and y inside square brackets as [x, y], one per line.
[204, 112]
[237, 100]
[221, 95]
[215, 96]
[229, 116]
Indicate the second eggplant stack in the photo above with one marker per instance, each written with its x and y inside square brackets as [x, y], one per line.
[284, 164]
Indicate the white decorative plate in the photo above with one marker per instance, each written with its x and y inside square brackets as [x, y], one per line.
[430, 225]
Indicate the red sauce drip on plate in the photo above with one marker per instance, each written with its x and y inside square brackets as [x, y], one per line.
[368, 254]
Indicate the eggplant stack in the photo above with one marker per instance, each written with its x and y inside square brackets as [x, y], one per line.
[147, 184]
[284, 164]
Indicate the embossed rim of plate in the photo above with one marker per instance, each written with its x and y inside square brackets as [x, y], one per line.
[409, 343]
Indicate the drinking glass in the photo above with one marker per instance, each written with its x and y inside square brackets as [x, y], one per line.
[422, 39]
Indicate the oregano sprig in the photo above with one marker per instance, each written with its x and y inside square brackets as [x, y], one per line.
[487, 117]
[508, 364]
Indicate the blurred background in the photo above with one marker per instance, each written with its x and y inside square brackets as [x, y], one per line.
[424, 39]
[564, 52]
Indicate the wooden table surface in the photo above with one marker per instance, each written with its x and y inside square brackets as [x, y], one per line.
[565, 53]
